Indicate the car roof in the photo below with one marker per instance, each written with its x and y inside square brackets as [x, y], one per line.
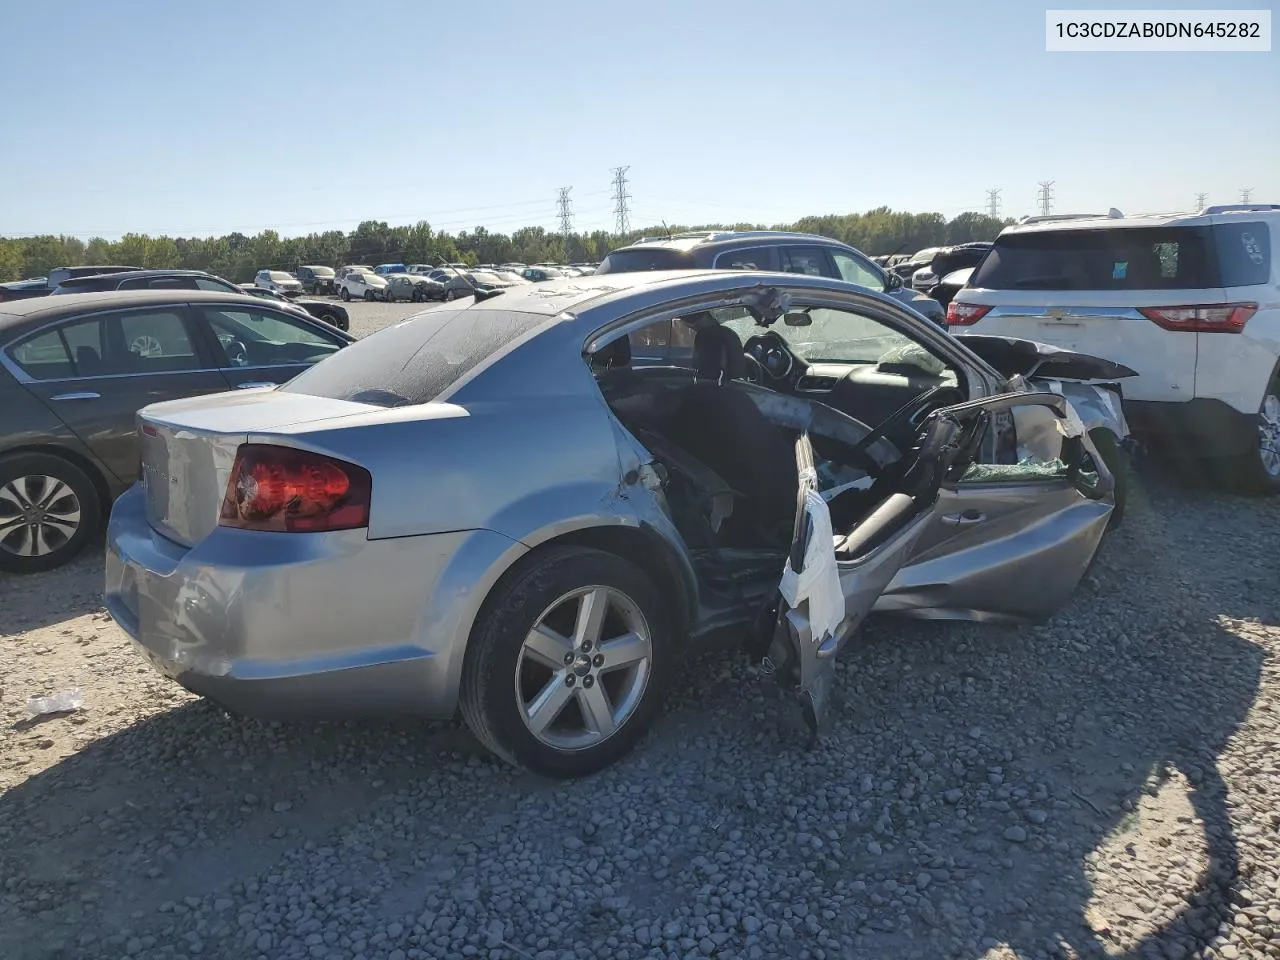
[698, 238]
[571, 294]
[18, 312]
[1102, 221]
[129, 274]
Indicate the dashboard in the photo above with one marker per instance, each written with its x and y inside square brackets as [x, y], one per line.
[869, 392]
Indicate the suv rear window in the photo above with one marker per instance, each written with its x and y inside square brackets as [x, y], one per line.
[641, 259]
[414, 361]
[1129, 258]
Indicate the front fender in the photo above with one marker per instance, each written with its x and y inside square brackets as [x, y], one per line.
[1095, 404]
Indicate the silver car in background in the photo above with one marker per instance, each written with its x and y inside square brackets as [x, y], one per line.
[492, 507]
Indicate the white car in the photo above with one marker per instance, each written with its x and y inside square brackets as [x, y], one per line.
[362, 285]
[278, 281]
[1189, 301]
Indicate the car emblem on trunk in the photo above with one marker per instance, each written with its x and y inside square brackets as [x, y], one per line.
[1057, 313]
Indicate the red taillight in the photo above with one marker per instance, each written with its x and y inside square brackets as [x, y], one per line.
[965, 314]
[294, 491]
[1209, 318]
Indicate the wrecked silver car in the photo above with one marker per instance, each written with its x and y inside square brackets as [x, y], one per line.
[499, 507]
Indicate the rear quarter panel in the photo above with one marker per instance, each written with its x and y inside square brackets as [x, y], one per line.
[1237, 367]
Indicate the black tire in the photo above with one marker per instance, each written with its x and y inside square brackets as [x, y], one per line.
[331, 318]
[450, 294]
[510, 611]
[1114, 458]
[17, 466]
[1249, 472]
[346, 295]
[417, 295]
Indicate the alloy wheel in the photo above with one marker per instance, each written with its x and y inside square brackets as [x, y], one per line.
[1269, 435]
[38, 515]
[583, 668]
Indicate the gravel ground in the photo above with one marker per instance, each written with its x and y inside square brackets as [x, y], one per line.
[1106, 784]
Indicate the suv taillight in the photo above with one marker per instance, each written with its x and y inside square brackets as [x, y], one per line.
[294, 491]
[1210, 318]
[965, 314]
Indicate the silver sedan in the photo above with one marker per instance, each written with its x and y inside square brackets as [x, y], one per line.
[500, 507]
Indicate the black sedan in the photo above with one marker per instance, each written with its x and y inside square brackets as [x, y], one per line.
[331, 313]
[74, 371]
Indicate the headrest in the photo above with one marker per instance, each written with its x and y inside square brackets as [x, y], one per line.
[615, 355]
[88, 363]
[717, 355]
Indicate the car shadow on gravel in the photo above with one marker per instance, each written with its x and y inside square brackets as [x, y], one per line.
[25, 603]
[972, 776]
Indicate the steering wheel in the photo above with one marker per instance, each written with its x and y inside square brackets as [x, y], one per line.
[237, 352]
[768, 353]
[145, 345]
[915, 408]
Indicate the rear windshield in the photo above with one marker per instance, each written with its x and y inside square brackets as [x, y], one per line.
[320, 271]
[952, 260]
[641, 259]
[414, 361]
[1130, 258]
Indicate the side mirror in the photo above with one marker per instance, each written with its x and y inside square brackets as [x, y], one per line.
[797, 318]
[892, 282]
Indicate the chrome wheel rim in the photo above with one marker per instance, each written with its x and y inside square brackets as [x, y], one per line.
[38, 515]
[1269, 434]
[583, 668]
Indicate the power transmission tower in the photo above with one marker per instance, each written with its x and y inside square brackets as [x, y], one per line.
[993, 203]
[1245, 194]
[1046, 197]
[620, 198]
[566, 212]
[1200, 199]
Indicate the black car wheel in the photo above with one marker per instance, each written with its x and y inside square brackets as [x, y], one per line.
[567, 662]
[1257, 472]
[49, 509]
[450, 294]
[368, 295]
[417, 294]
[346, 295]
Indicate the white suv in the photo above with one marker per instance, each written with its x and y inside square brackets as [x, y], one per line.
[1189, 301]
[278, 281]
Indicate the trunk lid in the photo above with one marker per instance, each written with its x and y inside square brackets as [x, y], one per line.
[189, 446]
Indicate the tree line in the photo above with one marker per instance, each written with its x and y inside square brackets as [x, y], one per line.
[238, 257]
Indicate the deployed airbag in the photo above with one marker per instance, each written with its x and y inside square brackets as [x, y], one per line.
[818, 581]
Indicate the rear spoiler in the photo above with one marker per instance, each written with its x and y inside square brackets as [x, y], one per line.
[1012, 356]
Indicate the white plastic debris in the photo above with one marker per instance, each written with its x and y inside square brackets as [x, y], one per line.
[61, 702]
[819, 581]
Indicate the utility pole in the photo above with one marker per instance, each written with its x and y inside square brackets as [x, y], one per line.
[566, 213]
[1245, 194]
[622, 217]
[993, 203]
[1046, 197]
[1200, 199]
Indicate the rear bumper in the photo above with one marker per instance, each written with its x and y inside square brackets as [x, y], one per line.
[1200, 427]
[323, 625]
